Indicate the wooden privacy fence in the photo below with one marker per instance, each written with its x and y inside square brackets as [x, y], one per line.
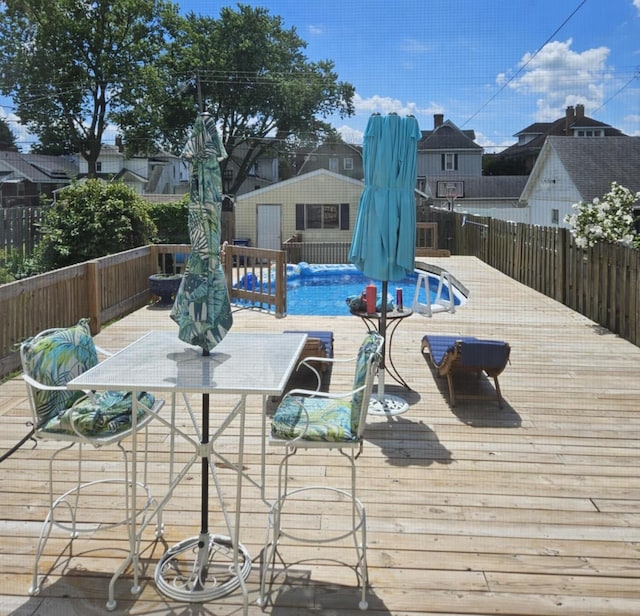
[602, 282]
[19, 229]
[113, 286]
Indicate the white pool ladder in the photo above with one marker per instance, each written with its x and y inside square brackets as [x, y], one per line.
[439, 304]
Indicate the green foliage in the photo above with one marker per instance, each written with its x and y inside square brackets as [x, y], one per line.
[67, 63]
[91, 220]
[171, 220]
[7, 138]
[250, 73]
[610, 219]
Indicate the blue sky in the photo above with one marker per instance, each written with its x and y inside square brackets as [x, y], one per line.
[494, 66]
[482, 63]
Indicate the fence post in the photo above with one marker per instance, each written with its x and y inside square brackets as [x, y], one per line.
[94, 295]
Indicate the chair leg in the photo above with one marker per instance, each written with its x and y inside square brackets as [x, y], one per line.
[498, 392]
[452, 395]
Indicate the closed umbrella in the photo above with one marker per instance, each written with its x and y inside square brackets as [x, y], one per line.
[384, 237]
[202, 308]
[202, 311]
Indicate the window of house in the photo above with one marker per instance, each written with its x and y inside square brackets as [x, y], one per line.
[555, 217]
[334, 164]
[348, 164]
[449, 161]
[593, 132]
[98, 166]
[322, 216]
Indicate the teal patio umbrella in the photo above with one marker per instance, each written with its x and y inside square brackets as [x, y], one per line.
[202, 309]
[384, 236]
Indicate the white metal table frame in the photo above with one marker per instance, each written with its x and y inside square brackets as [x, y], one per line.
[159, 362]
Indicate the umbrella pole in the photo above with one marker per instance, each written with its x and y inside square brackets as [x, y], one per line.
[385, 404]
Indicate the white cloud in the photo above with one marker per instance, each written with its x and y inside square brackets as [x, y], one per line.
[350, 134]
[386, 104]
[316, 30]
[414, 46]
[560, 76]
[636, 3]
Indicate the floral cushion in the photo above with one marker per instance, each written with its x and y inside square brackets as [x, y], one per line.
[324, 420]
[368, 346]
[100, 414]
[56, 358]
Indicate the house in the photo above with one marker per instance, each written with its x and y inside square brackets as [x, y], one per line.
[320, 206]
[337, 157]
[25, 178]
[448, 152]
[163, 173]
[497, 196]
[264, 171]
[574, 124]
[569, 171]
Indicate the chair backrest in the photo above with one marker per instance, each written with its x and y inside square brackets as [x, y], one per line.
[369, 357]
[55, 357]
[484, 354]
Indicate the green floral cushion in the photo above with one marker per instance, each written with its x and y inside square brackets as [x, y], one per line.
[55, 359]
[367, 348]
[328, 420]
[100, 414]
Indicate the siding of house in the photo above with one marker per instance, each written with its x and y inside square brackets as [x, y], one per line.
[316, 187]
[553, 190]
[430, 163]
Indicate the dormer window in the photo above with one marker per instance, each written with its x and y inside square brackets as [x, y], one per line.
[588, 132]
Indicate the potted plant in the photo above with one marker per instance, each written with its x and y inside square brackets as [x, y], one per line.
[165, 286]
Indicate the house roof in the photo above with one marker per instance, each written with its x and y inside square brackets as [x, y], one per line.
[486, 186]
[37, 168]
[593, 163]
[448, 136]
[299, 178]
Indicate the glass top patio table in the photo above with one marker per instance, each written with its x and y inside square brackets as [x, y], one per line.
[242, 363]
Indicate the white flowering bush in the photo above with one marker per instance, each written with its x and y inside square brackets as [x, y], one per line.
[609, 219]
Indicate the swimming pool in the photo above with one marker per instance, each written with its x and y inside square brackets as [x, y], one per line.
[322, 290]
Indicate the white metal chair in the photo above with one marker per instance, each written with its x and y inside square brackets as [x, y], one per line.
[322, 421]
[49, 361]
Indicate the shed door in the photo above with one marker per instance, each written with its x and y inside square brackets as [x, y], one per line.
[269, 234]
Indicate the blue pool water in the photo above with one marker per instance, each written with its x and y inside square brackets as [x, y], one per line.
[323, 289]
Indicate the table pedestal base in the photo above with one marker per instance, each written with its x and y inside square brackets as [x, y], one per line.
[387, 405]
[202, 569]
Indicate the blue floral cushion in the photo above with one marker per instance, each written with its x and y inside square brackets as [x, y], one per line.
[324, 420]
[55, 359]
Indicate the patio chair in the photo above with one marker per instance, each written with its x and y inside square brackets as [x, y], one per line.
[49, 361]
[321, 421]
[466, 354]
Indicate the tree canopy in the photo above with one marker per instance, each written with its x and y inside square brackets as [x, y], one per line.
[66, 64]
[250, 73]
[7, 138]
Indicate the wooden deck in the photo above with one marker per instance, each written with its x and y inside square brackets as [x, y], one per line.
[529, 510]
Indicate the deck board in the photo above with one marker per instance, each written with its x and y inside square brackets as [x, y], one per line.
[529, 510]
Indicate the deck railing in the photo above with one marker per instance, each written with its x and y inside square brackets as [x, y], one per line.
[113, 286]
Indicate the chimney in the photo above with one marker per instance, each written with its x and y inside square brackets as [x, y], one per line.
[579, 111]
[119, 143]
[438, 119]
[570, 116]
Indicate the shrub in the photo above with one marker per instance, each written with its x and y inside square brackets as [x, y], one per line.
[91, 220]
[609, 219]
[171, 220]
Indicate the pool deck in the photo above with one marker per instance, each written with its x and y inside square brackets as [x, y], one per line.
[528, 510]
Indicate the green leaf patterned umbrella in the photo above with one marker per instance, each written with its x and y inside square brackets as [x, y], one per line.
[202, 308]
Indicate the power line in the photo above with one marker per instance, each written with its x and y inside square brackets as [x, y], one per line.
[508, 81]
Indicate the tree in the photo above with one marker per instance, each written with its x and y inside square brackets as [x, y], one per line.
[7, 138]
[91, 220]
[67, 63]
[247, 71]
